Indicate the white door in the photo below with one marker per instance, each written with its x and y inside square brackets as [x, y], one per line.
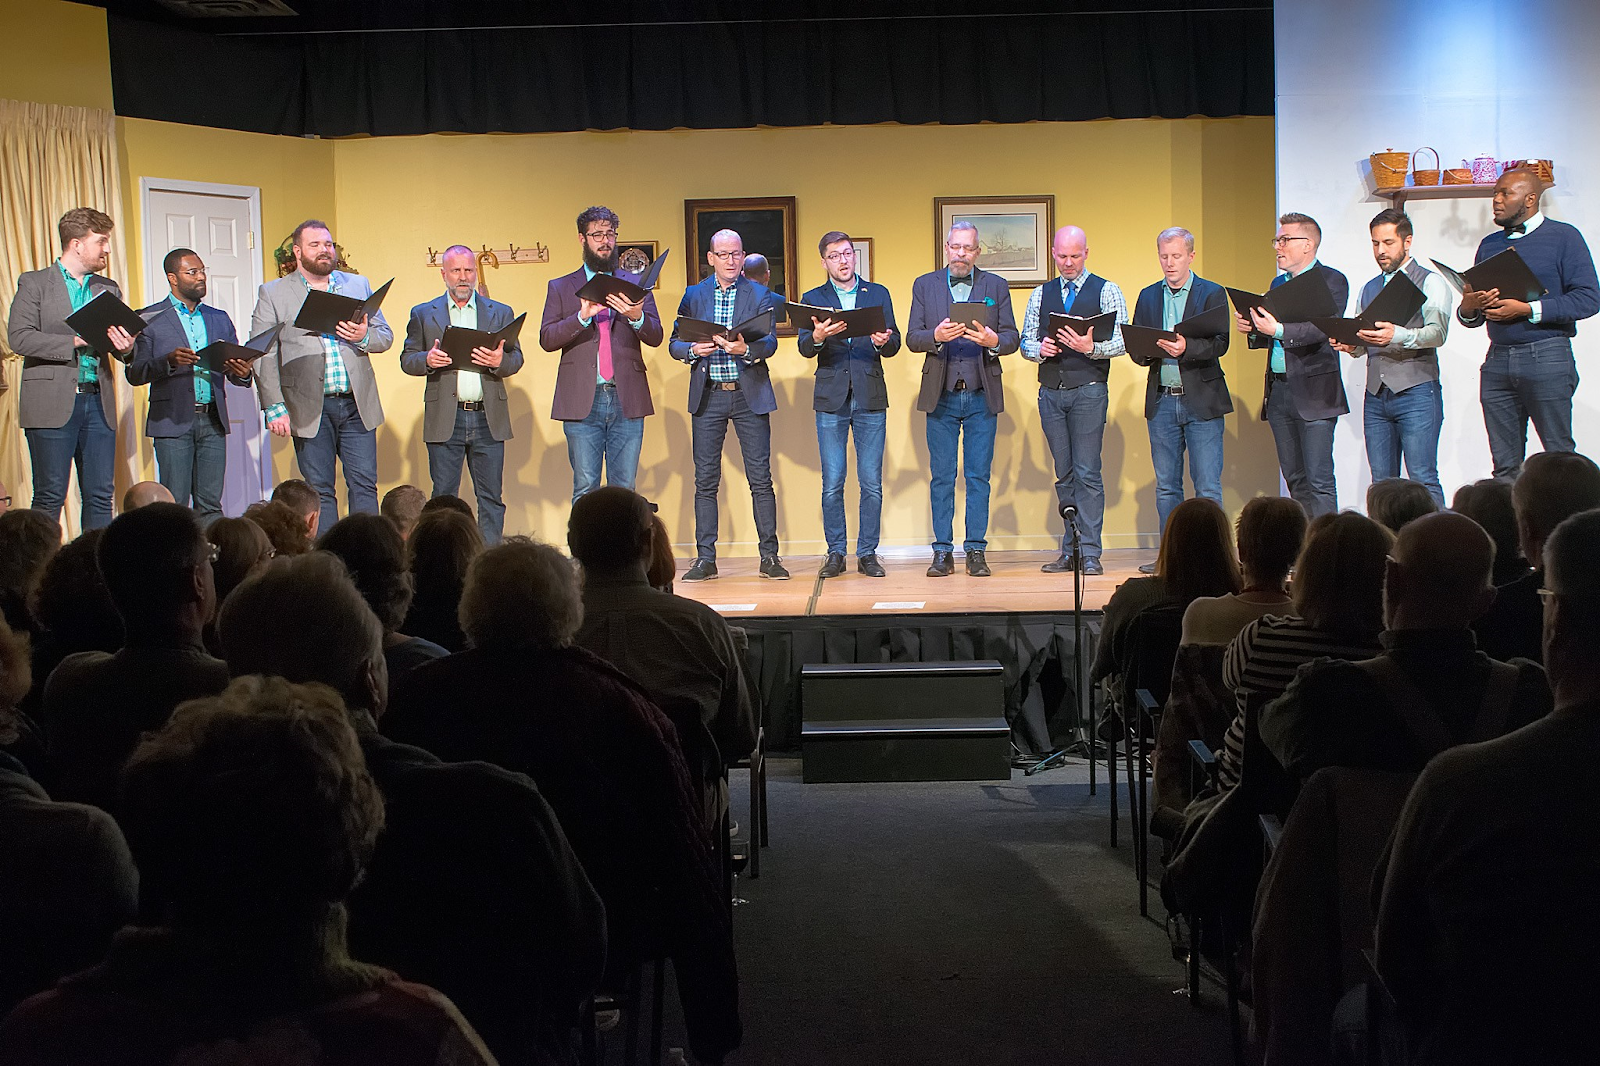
[222, 223]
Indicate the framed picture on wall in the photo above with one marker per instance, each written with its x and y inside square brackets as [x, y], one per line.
[863, 247]
[635, 257]
[1014, 233]
[767, 225]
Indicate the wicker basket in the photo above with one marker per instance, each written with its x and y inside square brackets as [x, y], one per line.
[1424, 177]
[1458, 176]
[1545, 168]
[1389, 168]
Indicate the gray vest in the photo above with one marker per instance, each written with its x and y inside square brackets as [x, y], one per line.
[1400, 368]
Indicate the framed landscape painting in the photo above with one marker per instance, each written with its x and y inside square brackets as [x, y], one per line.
[1014, 234]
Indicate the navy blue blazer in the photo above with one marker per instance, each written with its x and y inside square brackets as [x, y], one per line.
[1311, 364]
[846, 366]
[700, 301]
[1205, 388]
[171, 411]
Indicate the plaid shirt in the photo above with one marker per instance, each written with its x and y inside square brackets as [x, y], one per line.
[337, 378]
[724, 367]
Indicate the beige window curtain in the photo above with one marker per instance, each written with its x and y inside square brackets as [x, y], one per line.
[52, 159]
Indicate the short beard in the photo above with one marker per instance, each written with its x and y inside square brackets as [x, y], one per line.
[196, 293]
[600, 264]
[961, 274]
[311, 266]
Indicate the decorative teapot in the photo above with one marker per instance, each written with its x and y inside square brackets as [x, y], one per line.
[1485, 169]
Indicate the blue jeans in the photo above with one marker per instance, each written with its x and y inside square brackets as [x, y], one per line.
[195, 465]
[340, 436]
[833, 431]
[605, 435]
[88, 442]
[960, 413]
[1174, 430]
[486, 460]
[1523, 381]
[1074, 422]
[1406, 424]
[1305, 452]
[708, 431]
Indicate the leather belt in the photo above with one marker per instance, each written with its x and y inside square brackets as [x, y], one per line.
[1275, 376]
[605, 384]
[725, 386]
[90, 388]
[1172, 390]
[346, 395]
[470, 405]
[204, 406]
[959, 386]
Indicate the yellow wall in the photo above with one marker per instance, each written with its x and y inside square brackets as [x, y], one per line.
[54, 53]
[1122, 181]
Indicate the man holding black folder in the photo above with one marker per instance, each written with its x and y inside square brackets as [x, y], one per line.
[1074, 369]
[320, 387]
[1530, 371]
[188, 415]
[465, 416]
[849, 398]
[728, 382]
[66, 403]
[1186, 392]
[1404, 408]
[1304, 387]
[602, 386]
[962, 361]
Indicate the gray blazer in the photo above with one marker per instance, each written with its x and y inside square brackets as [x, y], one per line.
[292, 371]
[38, 332]
[427, 325]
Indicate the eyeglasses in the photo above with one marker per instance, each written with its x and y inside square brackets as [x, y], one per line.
[214, 553]
[602, 235]
[268, 555]
[5, 500]
[1547, 595]
[1279, 242]
[840, 256]
[728, 257]
[193, 272]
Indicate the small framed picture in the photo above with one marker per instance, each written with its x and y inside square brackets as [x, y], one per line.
[635, 257]
[863, 246]
[1014, 234]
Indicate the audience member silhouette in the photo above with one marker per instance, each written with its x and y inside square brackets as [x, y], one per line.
[438, 553]
[371, 549]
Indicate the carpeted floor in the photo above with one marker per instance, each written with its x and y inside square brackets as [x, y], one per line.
[955, 924]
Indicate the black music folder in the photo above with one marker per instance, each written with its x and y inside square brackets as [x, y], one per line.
[458, 342]
[93, 321]
[859, 322]
[699, 331]
[215, 354]
[1300, 299]
[1099, 326]
[597, 288]
[1506, 271]
[976, 314]
[1396, 304]
[1141, 340]
[323, 311]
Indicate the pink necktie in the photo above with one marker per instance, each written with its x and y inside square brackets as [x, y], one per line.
[604, 321]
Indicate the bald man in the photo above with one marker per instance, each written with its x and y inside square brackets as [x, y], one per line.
[1431, 688]
[1073, 392]
[757, 269]
[1530, 371]
[143, 494]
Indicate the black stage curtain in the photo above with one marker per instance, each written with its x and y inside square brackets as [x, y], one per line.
[1035, 650]
[702, 75]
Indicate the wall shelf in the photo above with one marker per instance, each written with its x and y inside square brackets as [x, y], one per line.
[1403, 193]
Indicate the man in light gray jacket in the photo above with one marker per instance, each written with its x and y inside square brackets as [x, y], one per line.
[319, 387]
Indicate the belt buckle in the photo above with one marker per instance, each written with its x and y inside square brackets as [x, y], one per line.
[959, 386]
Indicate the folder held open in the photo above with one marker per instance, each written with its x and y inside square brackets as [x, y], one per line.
[93, 321]
[458, 342]
[215, 354]
[1099, 326]
[859, 322]
[699, 331]
[323, 311]
[601, 286]
[1396, 304]
[1506, 271]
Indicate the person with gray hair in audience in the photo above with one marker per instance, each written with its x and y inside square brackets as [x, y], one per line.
[1552, 487]
[472, 888]
[157, 568]
[1486, 926]
[252, 814]
[523, 697]
[403, 505]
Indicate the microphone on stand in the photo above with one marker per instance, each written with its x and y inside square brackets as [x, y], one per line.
[1069, 512]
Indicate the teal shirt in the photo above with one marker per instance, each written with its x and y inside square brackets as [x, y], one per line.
[1277, 364]
[847, 297]
[194, 328]
[1173, 304]
[77, 296]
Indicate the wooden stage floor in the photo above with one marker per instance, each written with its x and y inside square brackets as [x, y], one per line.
[1017, 585]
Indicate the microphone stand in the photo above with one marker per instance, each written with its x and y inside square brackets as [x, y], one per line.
[1069, 512]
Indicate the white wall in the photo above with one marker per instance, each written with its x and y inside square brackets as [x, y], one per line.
[1468, 77]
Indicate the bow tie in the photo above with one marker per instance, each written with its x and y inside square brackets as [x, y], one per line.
[1520, 227]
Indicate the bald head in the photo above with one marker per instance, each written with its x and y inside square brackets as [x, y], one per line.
[757, 269]
[726, 255]
[1070, 250]
[143, 494]
[1440, 573]
[1516, 196]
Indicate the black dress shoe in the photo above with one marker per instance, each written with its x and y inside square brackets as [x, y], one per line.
[1092, 568]
[772, 568]
[1148, 568]
[703, 569]
[869, 565]
[833, 566]
[1059, 565]
[943, 564]
[977, 565]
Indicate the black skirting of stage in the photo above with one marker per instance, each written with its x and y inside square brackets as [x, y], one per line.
[1034, 648]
